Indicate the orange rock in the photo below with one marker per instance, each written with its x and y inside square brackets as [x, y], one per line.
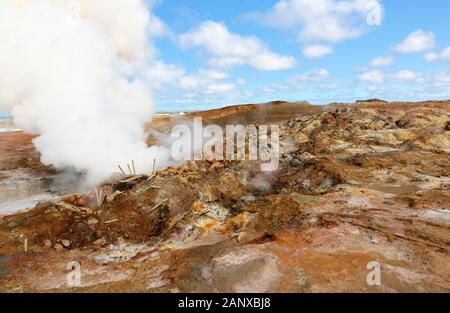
[70, 199]
[211, 225]
[216, 165]
[184, 168]
[197, 207]
[79, 202]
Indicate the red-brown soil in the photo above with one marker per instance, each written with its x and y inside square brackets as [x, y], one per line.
[356, 184]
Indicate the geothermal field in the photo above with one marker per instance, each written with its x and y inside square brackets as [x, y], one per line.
[356, 184]
[213, 155]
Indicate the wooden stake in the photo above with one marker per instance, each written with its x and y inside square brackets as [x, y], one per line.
[111, 221]
[100, 202]
[154, 166]
[25, 245]
[134, 167]
[99, 196]
[129, 169]
[120, 168]
[152, 187]
[104, 199]
[96, 195]
[151, 177]
[158, 205]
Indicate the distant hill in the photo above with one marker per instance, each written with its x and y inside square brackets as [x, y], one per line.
[371, 101]
[245, 114]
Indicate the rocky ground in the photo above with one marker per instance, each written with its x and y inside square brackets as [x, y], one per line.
[356, 184]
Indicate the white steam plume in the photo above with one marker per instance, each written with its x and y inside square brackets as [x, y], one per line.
[62, 76]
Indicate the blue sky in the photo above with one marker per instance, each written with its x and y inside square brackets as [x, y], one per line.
[215, 53]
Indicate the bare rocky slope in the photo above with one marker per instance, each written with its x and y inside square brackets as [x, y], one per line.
[356, 184]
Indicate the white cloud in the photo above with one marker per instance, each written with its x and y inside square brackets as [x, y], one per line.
[323, 20]
[157, 27]
[382, 61]
[316, 51]
[189, 82]
[219, 88]
[310, 76]
[442, 56]
[202, 83]
[195, 84]
[229, 49]
[216, 38]
[431, 57]
[380, 77]
[269, 61]
[417, 41]
[162, 74]
[172, 81]
[241, 81]
[375, 77]
[309, 79]
[226, 62]
[372, 88]
[442, 79]
[405, 75]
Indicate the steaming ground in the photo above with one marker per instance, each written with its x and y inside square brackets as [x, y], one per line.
[65, 75]
[357, 184]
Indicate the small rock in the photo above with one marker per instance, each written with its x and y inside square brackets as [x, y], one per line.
[198, 207]
[100, 243]
[70, 199]
[404, 135]
[65, 243]
[305, 156]
[354, 183]
[402, 123]
[98, 234]
[47, 243]
[216, 165]
[306, 184]
[87, 211]
[79, 202]
[184, 168]
[58, 247]
[67, 207]
[112, 197]
[170, 170]
[302, 138]
[237, 236]
[295, 162]
[248, 198]
[51, 210]
[92, 221]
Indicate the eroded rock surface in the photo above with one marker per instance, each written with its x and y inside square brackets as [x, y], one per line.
[356, 184]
